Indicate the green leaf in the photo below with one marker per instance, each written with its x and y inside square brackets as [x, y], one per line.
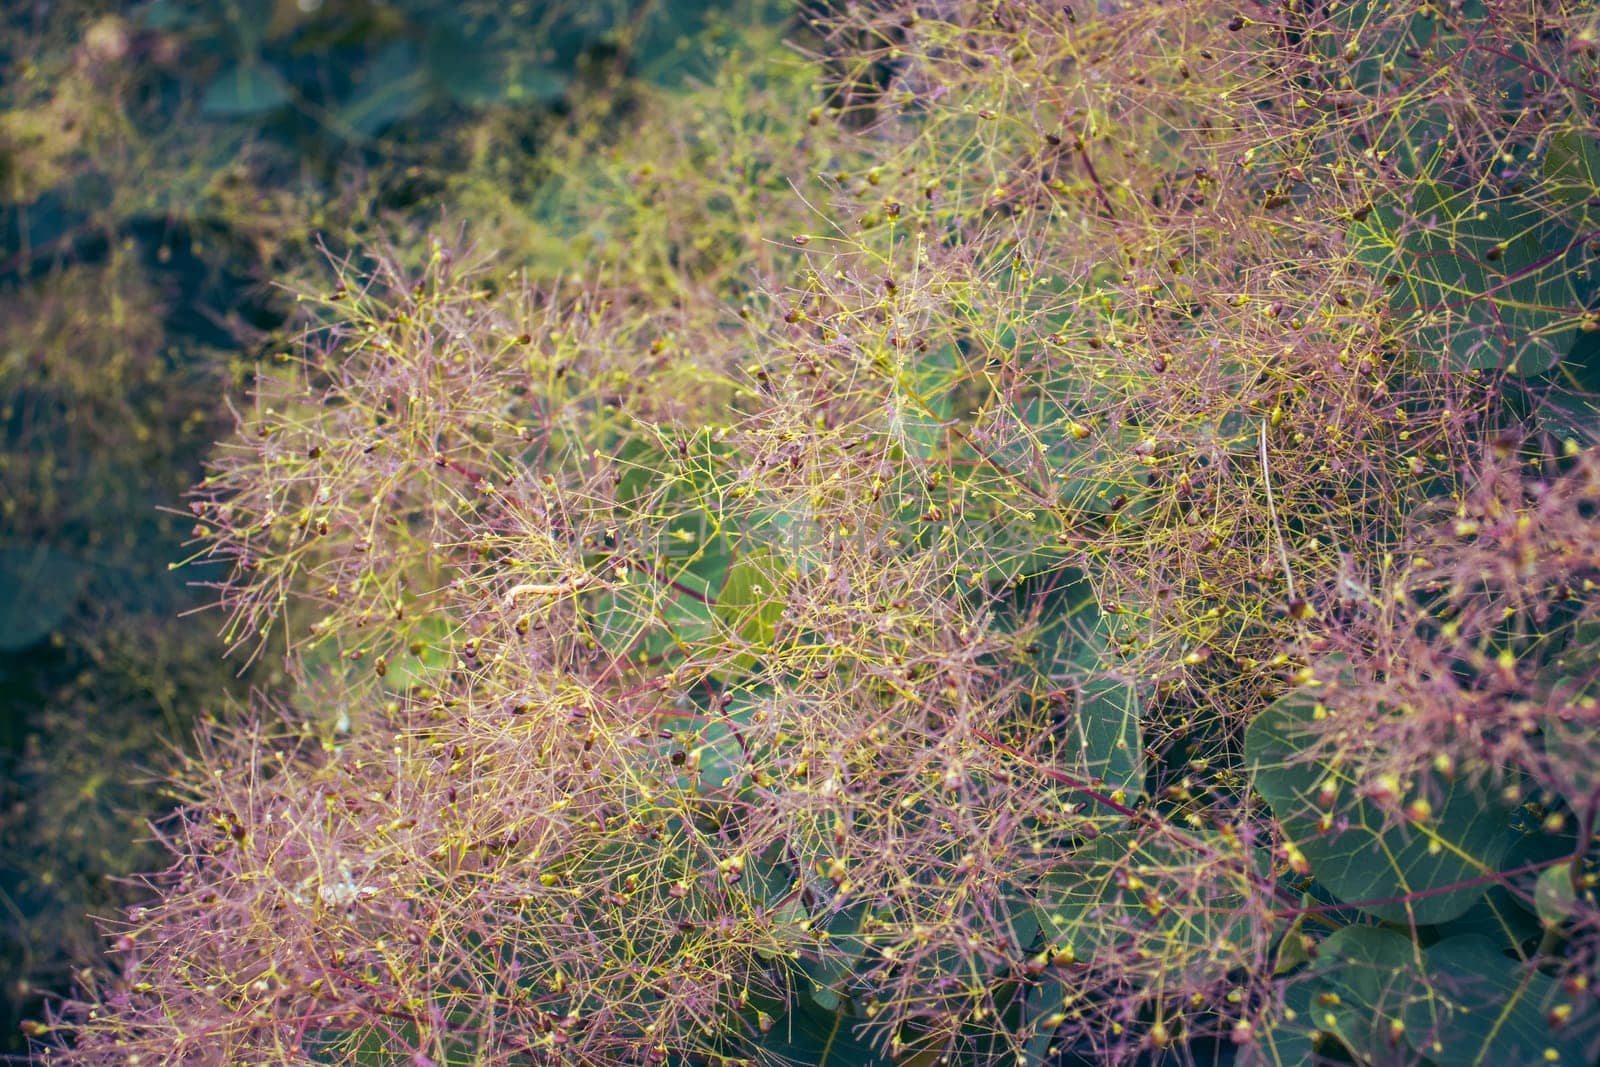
[652, 618]
[1459, 1002]
[1363, 981]
[39, 587]
[671, 609]
[807, 1033]
[718, 753]
[752, 597]
[775, 885]
[1554, 898]
[919, 401]
[170, 15]
[642, 468]
[392, 90]
[1475, 276]
[1580, 371]
[1088, 489]
[1484, 1007]
[1289, 1042]
[1108, 740]
[1378, 59]
[1365, 860]
[1575, 683]
[1572, 167]
[1087, 905]
[1573, 419]
[427, 651]
[700, 561]
[1073, 649]
[244, 89]
[832, 971]
[1497, 915]
[1044, 1001]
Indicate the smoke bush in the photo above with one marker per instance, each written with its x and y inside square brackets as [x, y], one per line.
[1135, 538]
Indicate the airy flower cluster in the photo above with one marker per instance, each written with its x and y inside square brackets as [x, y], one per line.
[1051, 605]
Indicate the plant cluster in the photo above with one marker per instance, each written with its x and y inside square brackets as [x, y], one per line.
[161, 166]
[1043, 535]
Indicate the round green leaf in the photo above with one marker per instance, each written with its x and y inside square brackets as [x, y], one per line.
[1418, 872]
[1361, 984]
[1553, 895]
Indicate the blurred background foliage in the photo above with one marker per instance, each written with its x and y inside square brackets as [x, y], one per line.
[162, 166]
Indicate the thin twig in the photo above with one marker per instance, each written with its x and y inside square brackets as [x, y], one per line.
[1272, 512]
